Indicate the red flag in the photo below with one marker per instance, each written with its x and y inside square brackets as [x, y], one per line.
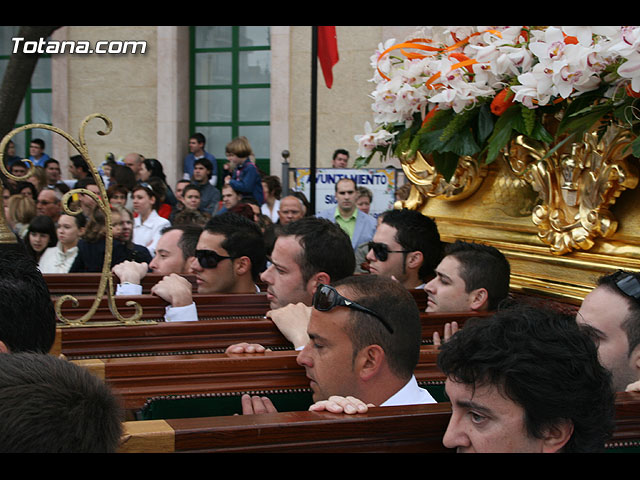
[327, 52]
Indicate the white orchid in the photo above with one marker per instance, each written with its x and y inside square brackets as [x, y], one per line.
[371, 140]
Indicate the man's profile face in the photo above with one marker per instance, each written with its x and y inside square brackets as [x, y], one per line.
[220, 279]
[483, 420]
[605, 311]
[284, 277]
[169, 257]
[328, 356]
[394, 263]
[447, 291]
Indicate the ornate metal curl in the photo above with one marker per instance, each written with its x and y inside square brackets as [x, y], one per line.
[106, 280]
[428, 183]
[576, 186]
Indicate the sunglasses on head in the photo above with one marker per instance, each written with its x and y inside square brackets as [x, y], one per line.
[209, 258]
[326, 297]
[628, 284]
[381, 250]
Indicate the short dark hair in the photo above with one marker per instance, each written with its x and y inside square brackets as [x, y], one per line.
[482, 266]
[79, 162]
[398, 308]
[543, 361]
[325, 248]
[189, 239]
[274, 185]
[206, 163]
[340, 151]
[243, 238]
[27, 316]
[631, 324]
[39, 142]
[50, 160]
[50, 405]
[198, 137]
[417, 232]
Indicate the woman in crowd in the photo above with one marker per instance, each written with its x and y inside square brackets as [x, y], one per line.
[58, 259]
[117, 195]
[272, 189]
[152, 168]
[122, 228]
[21, 210]
[41, 235]
[148, 225]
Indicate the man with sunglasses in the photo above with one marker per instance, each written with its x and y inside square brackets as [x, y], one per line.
[228, 258]
[406, 246]
[363, 348]
[613, 310]
[359, 226]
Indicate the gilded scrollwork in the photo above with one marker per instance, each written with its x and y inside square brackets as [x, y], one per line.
[576, 186]
[428, 183]
[106, 280]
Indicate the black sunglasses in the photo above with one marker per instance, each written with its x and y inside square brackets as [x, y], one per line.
[326, 297]
[209, 258]
[381, 250]
[628, 284]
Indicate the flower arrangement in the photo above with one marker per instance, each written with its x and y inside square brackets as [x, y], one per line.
[457, 91]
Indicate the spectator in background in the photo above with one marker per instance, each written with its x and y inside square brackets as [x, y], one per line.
[291, 209]
[36, 152]
[41, 235]
[54, 175]
[21, 210]
[49, 203]
[230, 198]
[272, 189]
[197, 143]
[364, 197]
[340, 158]
[78, 168]
[152, 168]
[148, 224]
[117, 195]
[245, 178]
[122, 228]
[59, 258]
[209, 194]
[134, 162]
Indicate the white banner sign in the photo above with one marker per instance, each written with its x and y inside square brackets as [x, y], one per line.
[381, 182]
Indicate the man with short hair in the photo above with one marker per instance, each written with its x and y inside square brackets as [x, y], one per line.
[27, 316]
[197, 143]
[53, 173]
[209, 194]
[230, 198]
[134, 162]
[36, 152]
[340, 158]
[362, 350]
[470, 277]
[78, 168]
[612, 308]
[49, 203]
[526, 380]
[291, 209]
[50, 405]
[229, 257]
[407, 247]
[306, 253]
[359, 226]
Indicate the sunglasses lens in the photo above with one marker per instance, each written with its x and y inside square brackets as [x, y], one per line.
[207, 259]
[379, 250]
[323, 298]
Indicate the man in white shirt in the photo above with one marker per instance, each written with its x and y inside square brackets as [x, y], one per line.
[364, 344]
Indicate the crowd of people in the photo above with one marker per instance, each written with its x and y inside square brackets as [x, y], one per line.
[339, 287]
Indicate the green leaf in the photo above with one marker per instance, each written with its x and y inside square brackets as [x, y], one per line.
[485, 123]
[445, 163]
[635, 147]
[502, 132]
[462, 144]
[529, 118]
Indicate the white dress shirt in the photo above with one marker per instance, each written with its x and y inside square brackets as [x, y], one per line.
[410, 394]
[55, 260]
[148, 233]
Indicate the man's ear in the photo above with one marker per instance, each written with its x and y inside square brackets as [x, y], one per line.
[414, 260]
[316, 279]
[635, 361]
[369, 361]
[479, 299]
[4, 348]
[242, 265]
[557, 436]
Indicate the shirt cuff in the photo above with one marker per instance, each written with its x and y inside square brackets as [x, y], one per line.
[127, 288]
[188, 313]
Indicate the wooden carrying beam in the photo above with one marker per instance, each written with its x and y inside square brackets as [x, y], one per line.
[87, 283]
[406, 429]
[138, 379]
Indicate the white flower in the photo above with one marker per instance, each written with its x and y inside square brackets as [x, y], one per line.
[371, 140]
